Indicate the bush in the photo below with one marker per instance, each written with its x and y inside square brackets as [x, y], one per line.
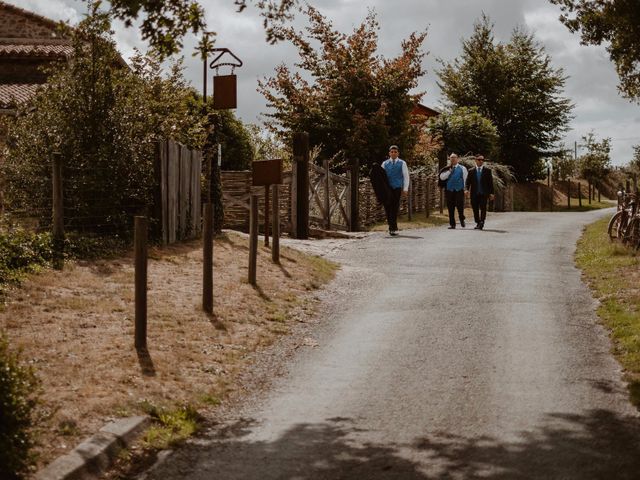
[17, 401]
[20, 252]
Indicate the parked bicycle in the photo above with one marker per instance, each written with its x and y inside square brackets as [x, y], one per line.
[619, 223]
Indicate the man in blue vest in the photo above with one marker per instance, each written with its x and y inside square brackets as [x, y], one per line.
[398, 175]
[454, 177]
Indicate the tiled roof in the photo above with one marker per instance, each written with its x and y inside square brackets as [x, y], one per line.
[28, 14]
[12, 94]
[35, 50]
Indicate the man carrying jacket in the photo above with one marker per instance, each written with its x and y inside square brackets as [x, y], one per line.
[398, 175]
[454, 178]
[480, 188]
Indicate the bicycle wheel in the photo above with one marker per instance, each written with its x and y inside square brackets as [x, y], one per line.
[614, 225]
[632, 235]
[622, 226]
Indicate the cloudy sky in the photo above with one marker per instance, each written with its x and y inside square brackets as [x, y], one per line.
[592, 79]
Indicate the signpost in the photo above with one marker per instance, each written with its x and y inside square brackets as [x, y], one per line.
[266, 173]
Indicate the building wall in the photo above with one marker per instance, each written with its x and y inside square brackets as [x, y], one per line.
[15, 25]
[23, 70]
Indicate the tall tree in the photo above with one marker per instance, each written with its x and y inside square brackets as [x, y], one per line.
[615, 23]
[515, 86]
[349, 98]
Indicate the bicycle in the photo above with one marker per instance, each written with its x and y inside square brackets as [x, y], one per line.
[627, 209]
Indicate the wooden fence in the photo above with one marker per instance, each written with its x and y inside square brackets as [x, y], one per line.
[178, 207]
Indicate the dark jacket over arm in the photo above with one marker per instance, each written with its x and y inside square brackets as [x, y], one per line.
[380, 183]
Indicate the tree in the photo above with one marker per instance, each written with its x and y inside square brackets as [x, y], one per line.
[564, 165]
[165, 23]
[514, 85]
[351, 100]
[616, 23]
[104, 119]
[464, 130]
[634, 164]
[596, 163]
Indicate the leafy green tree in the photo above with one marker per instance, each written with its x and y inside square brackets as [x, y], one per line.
[514, 85]
[165, 23]
[564, 165]
[615, 23]
[351, 100]
[464, 130]
[104, 119]
[634, 164]
[595, 165]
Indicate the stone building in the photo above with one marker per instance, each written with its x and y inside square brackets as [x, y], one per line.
[28, 42]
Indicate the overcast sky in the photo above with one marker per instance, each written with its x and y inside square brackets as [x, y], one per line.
[592, 79]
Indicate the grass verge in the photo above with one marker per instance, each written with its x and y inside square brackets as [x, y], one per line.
[613, 273]
[586, 207]
[419, 220]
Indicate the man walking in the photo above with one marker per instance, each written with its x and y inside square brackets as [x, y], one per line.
[454, 179]
[398, 175]
[480, 186]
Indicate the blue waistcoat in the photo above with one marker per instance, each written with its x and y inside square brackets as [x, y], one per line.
[479, 177]
[394, 173]
[455, 181]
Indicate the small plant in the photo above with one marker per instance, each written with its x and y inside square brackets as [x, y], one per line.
[173, 425]
[18, 386]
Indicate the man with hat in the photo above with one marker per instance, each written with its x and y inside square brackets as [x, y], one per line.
[480, 188]
[398, 175]
[454, 178]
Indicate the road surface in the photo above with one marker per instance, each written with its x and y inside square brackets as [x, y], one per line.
[443, 355]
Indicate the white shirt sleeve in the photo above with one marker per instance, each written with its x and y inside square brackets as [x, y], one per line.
[405, 177]
[465, 173]
[446, 174]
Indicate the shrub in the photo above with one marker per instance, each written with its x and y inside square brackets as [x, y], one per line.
[20, 252]
[17, 401]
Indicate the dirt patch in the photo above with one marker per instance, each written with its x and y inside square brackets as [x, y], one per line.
[76, 328]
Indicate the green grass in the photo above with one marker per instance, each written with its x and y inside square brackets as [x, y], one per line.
[419, 220]
[171, 426]
[613, 272]
[595, 205]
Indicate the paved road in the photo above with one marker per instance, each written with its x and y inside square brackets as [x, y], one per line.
[444, 355]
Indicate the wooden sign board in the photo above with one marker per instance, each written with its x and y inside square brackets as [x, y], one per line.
[267, 172]
[225, 96]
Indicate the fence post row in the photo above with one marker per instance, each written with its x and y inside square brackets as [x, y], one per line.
[327, 193]
[354, 191]
[58, 213]
[140, 241]
[539, 197]
[579, 194]
[427, 195]
[569, 194]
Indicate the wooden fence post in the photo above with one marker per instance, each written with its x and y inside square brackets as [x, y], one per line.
[58, 213]
[599, 197]
[140, 241]
[327, 193]
[539, 197]
[590, 191]
[267, 192]
[301, 178]
[579, 194]
[207, 259]
[275, 248]
[253, 240]
[512, 192]
[427, 202]
[410, 202]
[552, 196]
[354, 194]
[569, 194]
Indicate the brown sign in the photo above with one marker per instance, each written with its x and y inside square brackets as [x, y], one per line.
[225, 92]
[267, 172]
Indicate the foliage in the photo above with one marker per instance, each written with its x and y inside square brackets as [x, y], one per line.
[634, 164]
[20, 252]
[596, 163]
[514, 85]
[616, 23]
[164, 24]
[235, 137]
[18, 390]
[350, 99]
[564, 165]
[464, 130]
[104, 119]
[266, 146]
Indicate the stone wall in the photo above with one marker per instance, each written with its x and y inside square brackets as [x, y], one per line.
[15, 23]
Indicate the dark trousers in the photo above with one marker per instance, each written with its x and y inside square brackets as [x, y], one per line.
[479, 205]
[391, 208]
[455, 200]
